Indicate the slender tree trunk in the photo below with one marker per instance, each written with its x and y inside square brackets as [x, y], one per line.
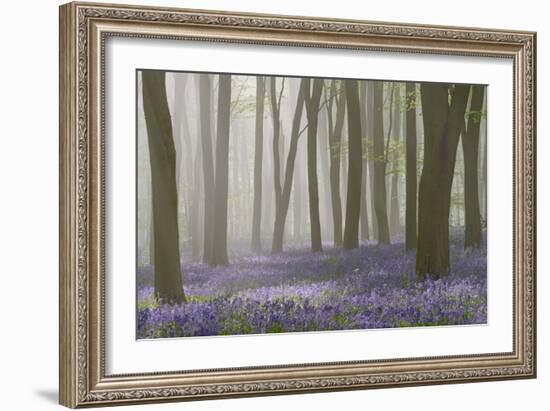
[410, 201]
[207, 166]
[179, 83]
[258, 151]
[344, 167]
[335, 139]
[267, 192]
[369, 130]
[246, 210]
[162, 154]
[322, 136]
[299, 195]
[184, 163]
[276, 114]
[442, 126]
[470, 147]
[380, 200]
[195, 213]
[280, 217]
[235, 223]
[219, 254]
[395, 220]
[355, 166]
[312, 100]
[364, 212]
[483, 174]
[297, 204]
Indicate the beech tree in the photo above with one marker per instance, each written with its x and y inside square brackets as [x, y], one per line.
[380, 199]
[281, 212]
[258, 154]
[410, 174]
[368, 153]
[470, 147]
[275, 98]
[219, 252]
[364, 213]
[205, 88]
[443, 122]
[162, 156]
[335, 126]
[395, 218]
[312, 101]
[355, 166]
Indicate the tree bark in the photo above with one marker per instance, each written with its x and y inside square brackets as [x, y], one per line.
[184, 163]
[281, 213]
[258, 151]
[484, 170]
[324, 178]
[195, 211]
[207, 166]
[162, 154]
[380, 200]
[312, 101]
[355, 193]
[470, 147]
[364, 212]
[297, 205]
[276, 114]
[442, 126]
[234, 218]
[219, 254]
[395, 218]
[335, 139]
[369, 131]
[410, 200]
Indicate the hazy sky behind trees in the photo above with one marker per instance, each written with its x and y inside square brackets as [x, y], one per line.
[400, 105]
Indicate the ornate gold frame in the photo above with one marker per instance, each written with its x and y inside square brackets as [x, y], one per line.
[83, 30]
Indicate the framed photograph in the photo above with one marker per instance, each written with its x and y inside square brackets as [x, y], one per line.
[260, 204]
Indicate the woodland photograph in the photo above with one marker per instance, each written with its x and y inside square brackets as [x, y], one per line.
[277, 204]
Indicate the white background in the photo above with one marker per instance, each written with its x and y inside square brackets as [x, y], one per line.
[28, 207]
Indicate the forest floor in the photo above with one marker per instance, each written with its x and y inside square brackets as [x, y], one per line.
[370, 287]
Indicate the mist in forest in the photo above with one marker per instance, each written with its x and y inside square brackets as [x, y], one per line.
[283, 204]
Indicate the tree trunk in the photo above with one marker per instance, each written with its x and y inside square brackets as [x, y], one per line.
[410, 201]
[395, 220]
[470, 147]
[276, 114]
[312, 100]
[335, 139]
[246, 210]
[355, 192]
[162, 154]
[219, 254]
[364, 212]
[369, 131]
[207, 166]
[322, 137]
[195, 211]
[442, 126]
[281, 213]
[234, 218]
[297, 202]
[483, 166]
[380, 200]
[152, 234]
[258, 151]
[184, 163]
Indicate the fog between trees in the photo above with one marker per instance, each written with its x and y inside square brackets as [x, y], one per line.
[233, 165]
